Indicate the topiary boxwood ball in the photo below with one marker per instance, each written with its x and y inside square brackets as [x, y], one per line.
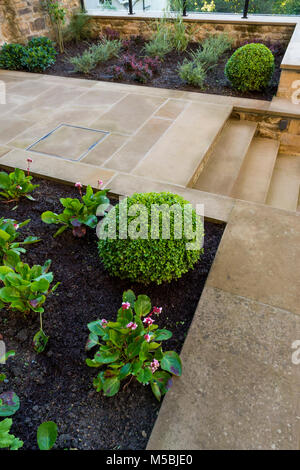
[250, 68]
[152, 245]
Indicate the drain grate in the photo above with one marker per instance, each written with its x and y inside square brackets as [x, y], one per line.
[68, 142]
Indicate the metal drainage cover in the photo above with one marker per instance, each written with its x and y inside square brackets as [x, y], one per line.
[69, 142]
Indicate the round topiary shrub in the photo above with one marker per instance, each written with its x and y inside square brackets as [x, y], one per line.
[151, 246]
[250, 67]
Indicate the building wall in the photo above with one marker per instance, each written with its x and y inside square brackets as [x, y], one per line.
[21, 20]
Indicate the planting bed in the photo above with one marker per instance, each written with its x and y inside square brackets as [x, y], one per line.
[57, 384]
[167, 77]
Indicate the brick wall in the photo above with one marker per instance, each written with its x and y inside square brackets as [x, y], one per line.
[23, 19]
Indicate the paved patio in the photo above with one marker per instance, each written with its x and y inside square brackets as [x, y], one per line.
[239, 388]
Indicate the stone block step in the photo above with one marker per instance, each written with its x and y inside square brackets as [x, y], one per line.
[181, 153]
[223, 167]
[256, 172]
[284, 188]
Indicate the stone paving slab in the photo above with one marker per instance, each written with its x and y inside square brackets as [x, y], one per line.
[58, 168]
[259, 257]
[179, 154]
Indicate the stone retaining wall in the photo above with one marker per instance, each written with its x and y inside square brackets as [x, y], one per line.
[199, 29]
[268, 127]
[21, 20]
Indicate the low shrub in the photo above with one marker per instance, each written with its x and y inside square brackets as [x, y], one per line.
[158, 47]
[212, 49]
[83, 63]
[118, 72]
[78, 29]
[37, 59]
[149, 255]
[105, 50]
[250, 68]
[45, 43]
[131, 348]
[192, 73]
[11, 56]
[142, 72]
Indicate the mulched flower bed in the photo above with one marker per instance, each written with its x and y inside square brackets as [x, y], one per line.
[167, 77]
[57, 384]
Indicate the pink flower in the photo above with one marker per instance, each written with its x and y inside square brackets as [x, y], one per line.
[78, 185]
[157, 310]
[29, 160]
[125, 305]
[154, 365]
[104, 323]
[100, 183]
[148, 321]
[131, 325]
[147, 338]
[16, 226]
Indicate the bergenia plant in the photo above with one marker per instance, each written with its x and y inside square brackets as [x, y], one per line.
[15, 185]
[78, 215]
[26, 289]
[10, 249]
[131, 348]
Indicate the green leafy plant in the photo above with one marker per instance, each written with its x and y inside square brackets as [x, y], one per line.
[83, 63]
[9, 405]
[37, 59]
[78, 215]
[146, 255]
[78, 29]
[131, 348]
[212, 49]
[26, 289]
[159, 46]
[46, 435]
[193, 73]
[57, 15]
[8, 440]
[106, 49]
[15, 185]
[11, 56]
[250, 68]
[10, 250]
[45, 43]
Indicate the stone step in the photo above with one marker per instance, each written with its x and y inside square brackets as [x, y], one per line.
[181, 153]
[256, 172]
[284, 188]
[223, 167]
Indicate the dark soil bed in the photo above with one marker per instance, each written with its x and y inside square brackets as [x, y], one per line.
[57, 385]
[167, 77]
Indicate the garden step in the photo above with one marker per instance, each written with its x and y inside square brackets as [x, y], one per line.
[256, 172]
[284, 188]
[181, 153]
[226, 160]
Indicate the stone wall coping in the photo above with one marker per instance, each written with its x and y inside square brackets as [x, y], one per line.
[291, 59]
[203, 17]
